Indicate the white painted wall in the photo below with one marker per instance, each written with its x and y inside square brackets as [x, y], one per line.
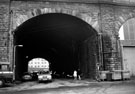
[129, 59]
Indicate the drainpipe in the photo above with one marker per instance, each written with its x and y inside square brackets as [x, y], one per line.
[101, 49]
[121, 49]
[14, 56]
[121, 52]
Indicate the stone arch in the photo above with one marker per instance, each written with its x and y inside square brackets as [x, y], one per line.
[125, 22]
[18, 18]
[122, 16]
[82, 43]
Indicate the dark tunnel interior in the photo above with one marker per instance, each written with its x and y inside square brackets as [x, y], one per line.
[57, 37]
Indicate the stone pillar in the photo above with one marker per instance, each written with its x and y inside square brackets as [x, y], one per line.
[110, 45]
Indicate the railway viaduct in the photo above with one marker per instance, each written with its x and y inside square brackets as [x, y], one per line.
[103, 18]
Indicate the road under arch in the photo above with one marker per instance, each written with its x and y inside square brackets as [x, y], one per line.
[67, 42]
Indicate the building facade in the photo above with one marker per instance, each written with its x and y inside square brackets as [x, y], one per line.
[128, 44]
[105, 17]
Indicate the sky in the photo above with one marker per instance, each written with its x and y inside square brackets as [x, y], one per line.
[121, 33]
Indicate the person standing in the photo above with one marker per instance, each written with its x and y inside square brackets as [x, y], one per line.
[75, 75]
[79, 74]
[98, 72]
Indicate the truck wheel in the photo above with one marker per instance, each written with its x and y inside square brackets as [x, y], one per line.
[2, 82]
[39, 81]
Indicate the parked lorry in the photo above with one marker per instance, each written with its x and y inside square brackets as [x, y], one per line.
[42, 67]
[6, 74]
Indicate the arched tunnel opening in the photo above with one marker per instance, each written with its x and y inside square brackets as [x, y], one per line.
[67, 42]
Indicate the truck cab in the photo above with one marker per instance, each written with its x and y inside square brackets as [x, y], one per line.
[6, 75]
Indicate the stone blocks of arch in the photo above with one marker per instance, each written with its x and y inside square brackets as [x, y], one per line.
[89, 18]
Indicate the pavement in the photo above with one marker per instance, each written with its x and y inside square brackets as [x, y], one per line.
[64, 86]
[54, 84]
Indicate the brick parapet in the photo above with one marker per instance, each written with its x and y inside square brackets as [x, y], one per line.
[114, 2]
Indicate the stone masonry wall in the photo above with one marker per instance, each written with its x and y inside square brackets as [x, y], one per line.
[110, 51]
[4, 24]
[100, 16]
[104, 18]
[27, 10]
